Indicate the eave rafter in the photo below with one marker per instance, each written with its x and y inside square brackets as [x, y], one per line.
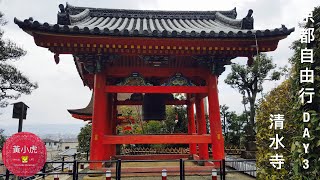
[64, 44]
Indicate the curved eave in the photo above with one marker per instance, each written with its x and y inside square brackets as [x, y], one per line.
[82, 117]
[87, 117]
[80, 112]
[84, 113]
[28, 25]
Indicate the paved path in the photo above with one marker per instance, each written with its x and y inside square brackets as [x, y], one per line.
[234, 176]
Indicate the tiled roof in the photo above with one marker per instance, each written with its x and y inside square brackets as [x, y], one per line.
[69, 140]
[69, 152]
[147, 23]
[46, 140]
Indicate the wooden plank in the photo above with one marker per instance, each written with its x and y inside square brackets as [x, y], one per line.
[156, 139]
[159, 72]
[152, 156]
[172, 102]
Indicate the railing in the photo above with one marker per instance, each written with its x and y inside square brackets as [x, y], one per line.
[230, 149]
[247, 166]
[117, 171]
[146, 150]
[233, 150]
[61, 162]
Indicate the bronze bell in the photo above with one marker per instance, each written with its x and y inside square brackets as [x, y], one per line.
[136, 97]
[154, 106]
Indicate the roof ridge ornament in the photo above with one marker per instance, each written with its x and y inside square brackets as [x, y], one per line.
[235, 12]
[63, 15]
[247, 22]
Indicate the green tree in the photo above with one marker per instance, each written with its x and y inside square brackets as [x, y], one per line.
[297, 149]
[237, 125]
[249, 79]
[2, 139]
[285, 100]
[224, 113]
[84, 138]
[153, 127]
[174, 113]
[12, 82]
[278, 101]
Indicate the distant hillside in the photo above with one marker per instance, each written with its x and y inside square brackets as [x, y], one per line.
[52, 131]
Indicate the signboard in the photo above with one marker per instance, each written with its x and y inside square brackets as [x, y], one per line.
[24, 154]
[19, 110]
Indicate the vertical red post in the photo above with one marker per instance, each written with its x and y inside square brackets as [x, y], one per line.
[99, 121]
[109, 131]
[114, 121]
[214, 119]
[191, 126]
[202, 128]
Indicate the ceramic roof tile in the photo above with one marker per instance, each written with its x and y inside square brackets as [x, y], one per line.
[119, 22]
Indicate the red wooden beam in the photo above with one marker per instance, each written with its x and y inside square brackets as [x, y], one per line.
[49, 39]
[152, 156]
[159, 72]
[172, 102]
[157, 139]
[156, 89]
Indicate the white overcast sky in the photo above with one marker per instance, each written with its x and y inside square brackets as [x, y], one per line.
[60, 87]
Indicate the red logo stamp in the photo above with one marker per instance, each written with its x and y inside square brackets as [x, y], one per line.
[24, 154]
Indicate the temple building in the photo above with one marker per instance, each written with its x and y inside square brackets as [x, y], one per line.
[152, 54]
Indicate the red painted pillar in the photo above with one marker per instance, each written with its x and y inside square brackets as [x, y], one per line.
[215, 121]
[191, 127]
[108, 147]
[99, 121]
[202, 128]
[114, 121]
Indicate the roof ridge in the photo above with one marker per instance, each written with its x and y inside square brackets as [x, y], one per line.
[73, 10]
[139, 10]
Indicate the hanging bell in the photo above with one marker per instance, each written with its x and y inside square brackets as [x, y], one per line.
[136, 97]
[154, 107]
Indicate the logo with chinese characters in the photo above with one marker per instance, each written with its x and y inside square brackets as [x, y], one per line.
[24, 154]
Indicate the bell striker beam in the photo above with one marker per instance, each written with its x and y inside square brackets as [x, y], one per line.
[214, 119]
[191, 126]
[99, 151]
[202, 127]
